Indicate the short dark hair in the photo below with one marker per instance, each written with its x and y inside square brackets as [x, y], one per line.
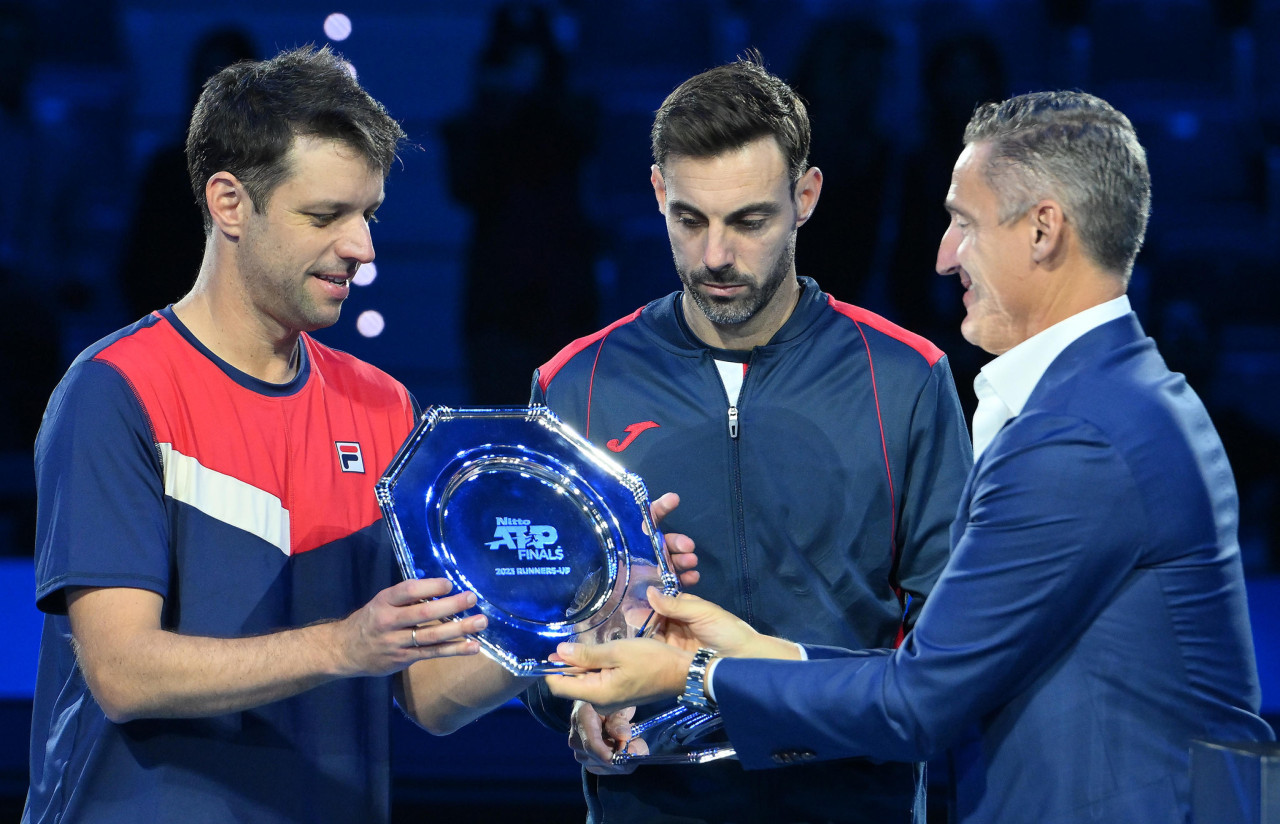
[249, 114]
[728, 107]
[1079, 150]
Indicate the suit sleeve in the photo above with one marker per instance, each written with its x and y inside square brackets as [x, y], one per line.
[1049, 538]
[939, 457]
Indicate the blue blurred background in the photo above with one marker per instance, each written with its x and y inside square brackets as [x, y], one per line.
[522, 217]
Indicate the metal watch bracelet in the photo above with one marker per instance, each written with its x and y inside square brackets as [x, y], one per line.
[695, 685]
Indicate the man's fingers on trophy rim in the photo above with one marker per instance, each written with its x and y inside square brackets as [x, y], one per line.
[570, 672]
[619, 740]
[445, 607]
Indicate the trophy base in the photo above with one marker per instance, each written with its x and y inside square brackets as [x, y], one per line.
[677, 736]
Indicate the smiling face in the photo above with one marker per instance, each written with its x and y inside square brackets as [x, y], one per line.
[732, 223]
[992, 259]
[296, 257]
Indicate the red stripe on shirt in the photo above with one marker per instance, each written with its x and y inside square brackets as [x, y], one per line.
[931, 353]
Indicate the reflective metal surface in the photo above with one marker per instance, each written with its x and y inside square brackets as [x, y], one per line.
[552, 535]
[678, 736]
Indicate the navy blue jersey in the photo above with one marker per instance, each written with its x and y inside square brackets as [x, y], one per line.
[249, 507]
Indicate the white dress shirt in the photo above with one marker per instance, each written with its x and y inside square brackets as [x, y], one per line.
[1005, 383]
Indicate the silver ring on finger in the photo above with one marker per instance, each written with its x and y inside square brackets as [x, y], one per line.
[413, 635]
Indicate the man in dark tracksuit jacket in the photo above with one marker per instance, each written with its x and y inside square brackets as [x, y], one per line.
[818, 450]
[823, 518]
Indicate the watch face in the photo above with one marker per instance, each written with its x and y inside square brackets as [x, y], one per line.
[553, 536]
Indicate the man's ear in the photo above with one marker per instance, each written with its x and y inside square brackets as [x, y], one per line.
[807, 190]
[659, 187]
[1047, 226]
[228, 203]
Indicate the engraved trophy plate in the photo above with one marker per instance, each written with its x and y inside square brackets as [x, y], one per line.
[552, 535]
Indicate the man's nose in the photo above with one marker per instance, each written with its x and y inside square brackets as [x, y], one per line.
[948, 263]
[357, 242]
[719, 249]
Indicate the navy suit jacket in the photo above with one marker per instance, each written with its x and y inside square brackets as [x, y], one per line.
[1090, 623]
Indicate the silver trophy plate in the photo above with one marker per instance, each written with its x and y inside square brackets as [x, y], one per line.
[552, 535]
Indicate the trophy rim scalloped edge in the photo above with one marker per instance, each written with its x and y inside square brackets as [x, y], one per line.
[597, 468]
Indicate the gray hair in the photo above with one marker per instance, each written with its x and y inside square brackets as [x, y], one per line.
[1079, 150]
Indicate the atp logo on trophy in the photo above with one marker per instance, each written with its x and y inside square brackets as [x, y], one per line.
[532, 542]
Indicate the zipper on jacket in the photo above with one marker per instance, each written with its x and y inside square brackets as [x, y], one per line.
[746, 585]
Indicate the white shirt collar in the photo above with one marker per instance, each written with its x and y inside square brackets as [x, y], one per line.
[1008, 380]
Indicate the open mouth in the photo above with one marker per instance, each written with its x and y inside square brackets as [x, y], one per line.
[336, 280]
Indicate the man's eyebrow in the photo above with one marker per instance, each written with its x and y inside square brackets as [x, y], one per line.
[682, 206]
[337, 206]
[766, 208]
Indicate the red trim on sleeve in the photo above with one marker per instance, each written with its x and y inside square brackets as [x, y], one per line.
[884, 446]
[932, 354]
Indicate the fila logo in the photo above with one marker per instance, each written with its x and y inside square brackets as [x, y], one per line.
[633, 431]
[349, 457]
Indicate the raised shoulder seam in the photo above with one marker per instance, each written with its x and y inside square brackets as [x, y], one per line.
[926, 348]
[548, 370]
[137, 399]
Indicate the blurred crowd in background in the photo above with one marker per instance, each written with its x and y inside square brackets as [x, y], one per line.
[523, 217]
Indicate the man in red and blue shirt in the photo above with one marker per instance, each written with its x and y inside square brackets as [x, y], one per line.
[223, 628]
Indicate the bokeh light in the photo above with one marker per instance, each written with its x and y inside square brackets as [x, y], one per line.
[370, 323]
[365, 274]
[337, 27]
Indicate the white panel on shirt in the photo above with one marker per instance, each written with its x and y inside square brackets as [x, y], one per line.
[731, 376]
[225, 498]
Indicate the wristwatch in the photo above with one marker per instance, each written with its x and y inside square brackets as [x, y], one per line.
[695, 695]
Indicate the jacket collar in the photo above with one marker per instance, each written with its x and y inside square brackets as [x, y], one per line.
[665, 316]
[1013, 376]
[1089, 350]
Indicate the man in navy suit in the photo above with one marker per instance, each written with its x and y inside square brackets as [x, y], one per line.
[1091, 621]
